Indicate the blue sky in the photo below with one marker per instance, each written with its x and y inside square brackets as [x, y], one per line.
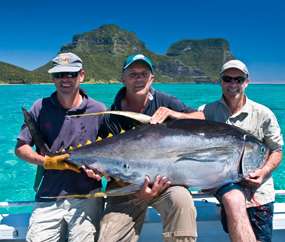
[32, 31]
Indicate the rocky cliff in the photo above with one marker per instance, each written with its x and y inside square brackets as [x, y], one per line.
[104, 49]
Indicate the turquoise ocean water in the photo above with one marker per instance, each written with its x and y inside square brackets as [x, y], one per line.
[16, 176]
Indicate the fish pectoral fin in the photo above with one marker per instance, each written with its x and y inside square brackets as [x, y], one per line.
[205, 154]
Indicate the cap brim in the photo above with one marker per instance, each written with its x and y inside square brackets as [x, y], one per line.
[139, 60]
[59, 68]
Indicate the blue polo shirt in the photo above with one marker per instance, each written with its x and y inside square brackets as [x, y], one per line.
[60, 132]
[114, 123]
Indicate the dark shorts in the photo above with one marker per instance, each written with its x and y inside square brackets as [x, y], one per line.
[260, 217]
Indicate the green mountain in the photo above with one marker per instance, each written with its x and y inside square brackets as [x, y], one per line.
[104, 49]
[208, 55]
[10, 73]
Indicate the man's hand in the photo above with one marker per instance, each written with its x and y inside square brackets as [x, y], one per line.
[92, 174]
[148, 193]
[161, 115]
[256, 178]
[58, 163]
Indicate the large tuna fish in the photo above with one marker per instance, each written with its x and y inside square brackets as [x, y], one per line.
[196, 153]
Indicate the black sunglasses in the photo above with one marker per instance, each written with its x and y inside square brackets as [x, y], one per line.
[237, 79]
[59, 75]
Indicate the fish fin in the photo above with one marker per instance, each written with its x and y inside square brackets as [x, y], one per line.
[200, 154]
[89, 195]
[88, 142]
[142, 118]
[110, 135]
[99, 139]
[39, 142]
[35, 133]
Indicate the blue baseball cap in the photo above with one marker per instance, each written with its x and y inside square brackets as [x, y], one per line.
[138, 57]
[66, 62]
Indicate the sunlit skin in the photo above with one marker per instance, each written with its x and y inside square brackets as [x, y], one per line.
[233, 92]
[68, 90]
[137, 80]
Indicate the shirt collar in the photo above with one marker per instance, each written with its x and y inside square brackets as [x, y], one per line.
[82, 106]
[244, 110]
[122, 93]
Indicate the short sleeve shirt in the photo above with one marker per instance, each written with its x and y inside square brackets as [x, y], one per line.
[60, 132]
[259, 121]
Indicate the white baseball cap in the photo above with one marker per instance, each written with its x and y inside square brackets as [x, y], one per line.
[66, 62]
[236, 64]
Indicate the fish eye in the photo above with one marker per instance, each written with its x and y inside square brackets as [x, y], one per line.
[126, 166]
[262, 149]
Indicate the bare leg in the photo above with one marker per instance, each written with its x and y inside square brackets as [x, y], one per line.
[240, 229]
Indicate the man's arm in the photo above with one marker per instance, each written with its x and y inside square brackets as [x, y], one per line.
[257, 177]
[163, 113]
[25, 152]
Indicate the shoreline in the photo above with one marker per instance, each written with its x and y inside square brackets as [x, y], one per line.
[96, 83]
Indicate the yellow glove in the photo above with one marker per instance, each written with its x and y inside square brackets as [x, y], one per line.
[58, 163]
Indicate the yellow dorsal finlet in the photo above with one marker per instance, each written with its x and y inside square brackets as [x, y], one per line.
[99, 139]
[110, 135]
[70, 148]
[122, 131]
[79, 145]
[88, 142]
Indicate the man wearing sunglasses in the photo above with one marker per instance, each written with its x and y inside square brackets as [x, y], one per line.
[248, 208]
[75, 217]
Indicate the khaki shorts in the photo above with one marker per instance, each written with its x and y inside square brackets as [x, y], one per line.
[71, 218]
[124, 216]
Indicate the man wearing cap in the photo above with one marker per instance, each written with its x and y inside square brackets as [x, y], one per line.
[74, 216]
[124, 215]
[248, 208]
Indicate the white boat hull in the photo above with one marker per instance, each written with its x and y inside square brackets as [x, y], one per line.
[13, 227]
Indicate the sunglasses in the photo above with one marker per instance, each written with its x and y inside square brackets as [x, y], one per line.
[236, 79]
[59, 75]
